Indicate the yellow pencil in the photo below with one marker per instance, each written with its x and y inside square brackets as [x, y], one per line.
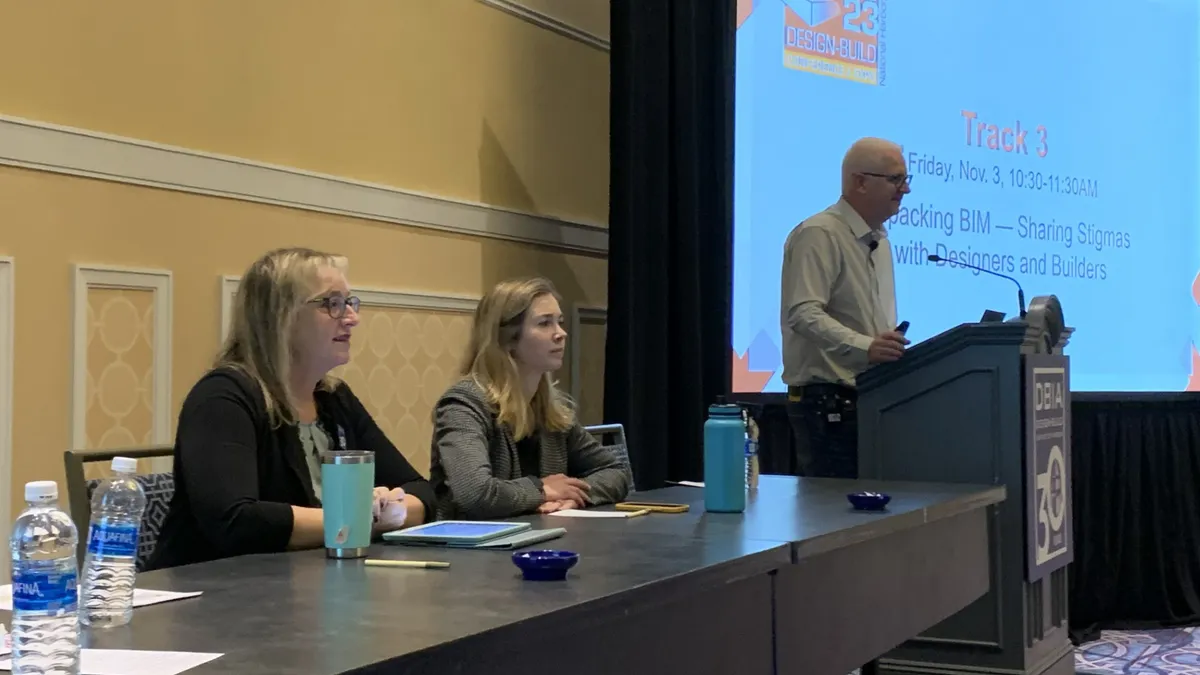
[427, 564]
[635, 514]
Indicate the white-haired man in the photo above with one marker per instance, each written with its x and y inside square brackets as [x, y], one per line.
[838, 307]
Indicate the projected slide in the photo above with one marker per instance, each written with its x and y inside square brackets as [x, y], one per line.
[1056, 142]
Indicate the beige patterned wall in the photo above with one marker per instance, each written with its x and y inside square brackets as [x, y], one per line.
[590, 342]
[401, 361]
[120, 370]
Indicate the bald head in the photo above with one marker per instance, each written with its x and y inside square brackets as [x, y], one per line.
[870, 155]
[874, 179]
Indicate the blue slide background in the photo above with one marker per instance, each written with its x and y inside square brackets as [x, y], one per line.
[1117, 84]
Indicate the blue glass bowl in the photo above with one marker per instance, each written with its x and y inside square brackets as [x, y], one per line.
[545, 565]
[868, 501]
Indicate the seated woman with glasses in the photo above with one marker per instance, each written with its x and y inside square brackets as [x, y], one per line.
[251, 432]
[505, 440]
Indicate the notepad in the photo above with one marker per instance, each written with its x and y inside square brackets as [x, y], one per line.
[141, 597]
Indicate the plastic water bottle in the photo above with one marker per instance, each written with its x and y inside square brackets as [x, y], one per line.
[751, 450]
[110, 566]
[724, 459]
[752, 469]
[45, 619]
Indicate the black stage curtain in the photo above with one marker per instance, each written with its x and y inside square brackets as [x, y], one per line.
[670, 217]
[1135, 462]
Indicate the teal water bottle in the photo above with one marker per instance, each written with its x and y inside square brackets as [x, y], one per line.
[724, 459]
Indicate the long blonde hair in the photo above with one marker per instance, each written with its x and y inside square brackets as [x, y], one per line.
[270, 295]
[489, 361]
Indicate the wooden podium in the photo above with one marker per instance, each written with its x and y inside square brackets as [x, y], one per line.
[987, 403]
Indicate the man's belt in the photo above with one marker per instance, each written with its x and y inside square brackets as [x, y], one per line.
[820, 390]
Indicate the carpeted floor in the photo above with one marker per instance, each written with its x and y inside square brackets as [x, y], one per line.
[1169, 651]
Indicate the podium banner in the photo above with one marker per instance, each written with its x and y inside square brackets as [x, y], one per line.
[1047, 464]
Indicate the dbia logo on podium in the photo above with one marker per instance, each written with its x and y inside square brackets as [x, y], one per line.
[838, 38]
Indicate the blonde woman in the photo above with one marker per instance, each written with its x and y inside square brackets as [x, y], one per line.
[505, 441]
[250, 434]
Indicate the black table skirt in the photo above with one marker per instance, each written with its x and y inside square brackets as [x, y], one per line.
[1136, 465]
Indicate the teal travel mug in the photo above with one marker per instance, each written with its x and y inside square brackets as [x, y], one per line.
[347, 486]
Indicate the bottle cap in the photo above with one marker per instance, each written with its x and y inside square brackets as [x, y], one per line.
[725, 410]
[124, 465]
[41, 491]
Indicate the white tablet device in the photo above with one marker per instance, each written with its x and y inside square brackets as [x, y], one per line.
[451, 532]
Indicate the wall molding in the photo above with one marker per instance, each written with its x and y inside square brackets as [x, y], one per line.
[378, 297]
[89, 277]
[580, 315]
[229, 287]
[59, 149]
[7, 318]
[552, 23]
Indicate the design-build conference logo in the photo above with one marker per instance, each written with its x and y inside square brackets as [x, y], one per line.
[838, 38]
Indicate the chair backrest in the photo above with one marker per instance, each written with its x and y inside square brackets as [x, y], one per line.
[159, 487]
[618, 446]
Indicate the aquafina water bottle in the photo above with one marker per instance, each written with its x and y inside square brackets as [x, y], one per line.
[45, 620]
[110, 566]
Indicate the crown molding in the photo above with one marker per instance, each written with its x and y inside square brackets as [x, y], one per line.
[47, 147]
[552, 23]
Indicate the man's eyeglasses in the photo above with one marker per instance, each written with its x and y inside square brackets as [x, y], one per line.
[336, 304]
[897, 179]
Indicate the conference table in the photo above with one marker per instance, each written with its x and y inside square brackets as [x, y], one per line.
[799, 583]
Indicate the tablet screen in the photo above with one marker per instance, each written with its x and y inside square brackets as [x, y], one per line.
[463, 529]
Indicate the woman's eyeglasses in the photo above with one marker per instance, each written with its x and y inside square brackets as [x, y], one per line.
[336, 304]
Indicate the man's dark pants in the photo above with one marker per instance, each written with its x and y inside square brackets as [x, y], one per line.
[824, 420]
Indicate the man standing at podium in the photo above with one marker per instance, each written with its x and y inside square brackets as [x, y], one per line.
[838, 307]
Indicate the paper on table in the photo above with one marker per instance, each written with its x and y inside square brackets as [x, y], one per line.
[579, 513]
[133, 662]
[141, 597]
[691, 483]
